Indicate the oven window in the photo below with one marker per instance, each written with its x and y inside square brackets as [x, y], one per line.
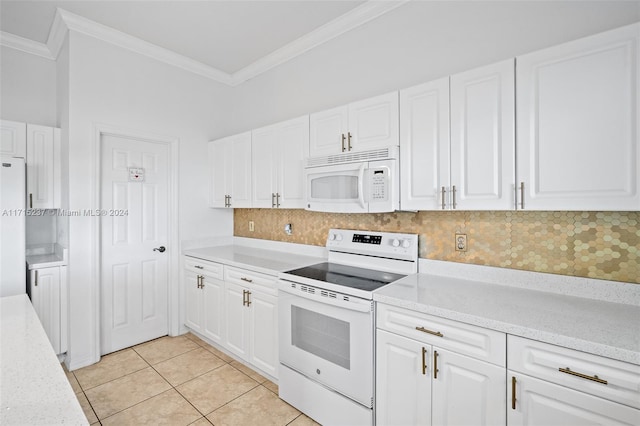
[334, 187]
[321, 335]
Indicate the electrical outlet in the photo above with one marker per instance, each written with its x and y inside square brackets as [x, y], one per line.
[461, 242]
[251, 226]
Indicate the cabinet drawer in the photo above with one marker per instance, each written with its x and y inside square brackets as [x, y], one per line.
[544, 361]
[200, 266]
[251, 279]
[477, 342]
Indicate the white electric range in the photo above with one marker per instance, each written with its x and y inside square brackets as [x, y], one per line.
[326, 320]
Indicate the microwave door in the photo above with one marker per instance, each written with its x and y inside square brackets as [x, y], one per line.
[336, 189]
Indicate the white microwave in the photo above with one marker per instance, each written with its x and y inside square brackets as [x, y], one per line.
[359, 182]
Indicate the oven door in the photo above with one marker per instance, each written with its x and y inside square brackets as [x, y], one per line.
[327, 339]
[337, 189]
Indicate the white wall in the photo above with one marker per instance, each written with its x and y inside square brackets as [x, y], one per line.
[416, 43]
[28, 85]
[113, 86]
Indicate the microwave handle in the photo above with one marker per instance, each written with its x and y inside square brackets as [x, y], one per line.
[361, 185]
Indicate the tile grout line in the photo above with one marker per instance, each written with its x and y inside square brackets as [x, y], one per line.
[205, 346]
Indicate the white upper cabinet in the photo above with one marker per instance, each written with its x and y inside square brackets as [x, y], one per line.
[43, 167]
[368, 124]
[13, 138]
[424, 145]
[328, 132]
[230, 163]
[278, 153]
[482, 138]
[457, 142]
[578, 108]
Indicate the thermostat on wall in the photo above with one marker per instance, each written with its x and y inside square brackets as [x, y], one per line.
[136, 175]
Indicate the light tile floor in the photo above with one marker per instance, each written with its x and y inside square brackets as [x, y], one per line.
[179, 381]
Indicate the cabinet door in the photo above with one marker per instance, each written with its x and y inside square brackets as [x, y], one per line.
[263, 326]
[263, 163]
[213, 313]
[193, 301]
[241, 171]
[424, 146]
[483, 139]
[467, 391]
[578, 143]
[293, 149]
[403, 381]
[236, 338]
[40, 167]
[542, 403]
[328, 132]
[374, 123]
[13, 138]
[45, 297]
[219, 168]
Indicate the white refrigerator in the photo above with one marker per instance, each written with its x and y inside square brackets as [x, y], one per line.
[12, 222]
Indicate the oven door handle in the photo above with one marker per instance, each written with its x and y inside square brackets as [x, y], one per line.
[354, 303]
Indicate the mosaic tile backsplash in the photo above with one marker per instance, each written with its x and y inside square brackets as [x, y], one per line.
[603, 245]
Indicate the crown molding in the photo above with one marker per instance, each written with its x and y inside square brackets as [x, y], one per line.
[65, 21]
[340, 25]
[102, 32]
[25, 45]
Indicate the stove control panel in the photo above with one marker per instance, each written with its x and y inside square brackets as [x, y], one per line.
[379, 244]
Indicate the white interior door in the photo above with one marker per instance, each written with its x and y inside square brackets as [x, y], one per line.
[133, 223]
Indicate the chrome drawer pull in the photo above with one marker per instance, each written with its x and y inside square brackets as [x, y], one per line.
[435, 333]
[246, 279]
[582, 376]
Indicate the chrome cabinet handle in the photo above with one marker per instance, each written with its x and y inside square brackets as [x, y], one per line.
[443, 191]
[435, 333]
[583, 376]
[349, 141]
[248, 298]
[278, 199]
[273, 200]
[244, 297]
[453, 195]
[343, 147]
[200, 279]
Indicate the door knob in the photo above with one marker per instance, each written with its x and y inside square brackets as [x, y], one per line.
[161, 249]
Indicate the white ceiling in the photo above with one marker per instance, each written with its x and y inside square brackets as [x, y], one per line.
[225, 35]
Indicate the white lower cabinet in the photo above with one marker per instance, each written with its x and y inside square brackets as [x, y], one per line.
[421, 381]
[252, 318]
[549, 384]
[46, 288]
[204, 298]
[538, 402]
[235, 308]
[466, 391]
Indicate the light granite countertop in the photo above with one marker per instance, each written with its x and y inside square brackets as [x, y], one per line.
[255, 259]
[599, 327]
[33, 387]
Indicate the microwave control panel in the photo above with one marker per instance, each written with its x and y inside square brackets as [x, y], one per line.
[379, 184]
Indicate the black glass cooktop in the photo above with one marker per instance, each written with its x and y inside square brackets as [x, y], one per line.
[349, 276]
